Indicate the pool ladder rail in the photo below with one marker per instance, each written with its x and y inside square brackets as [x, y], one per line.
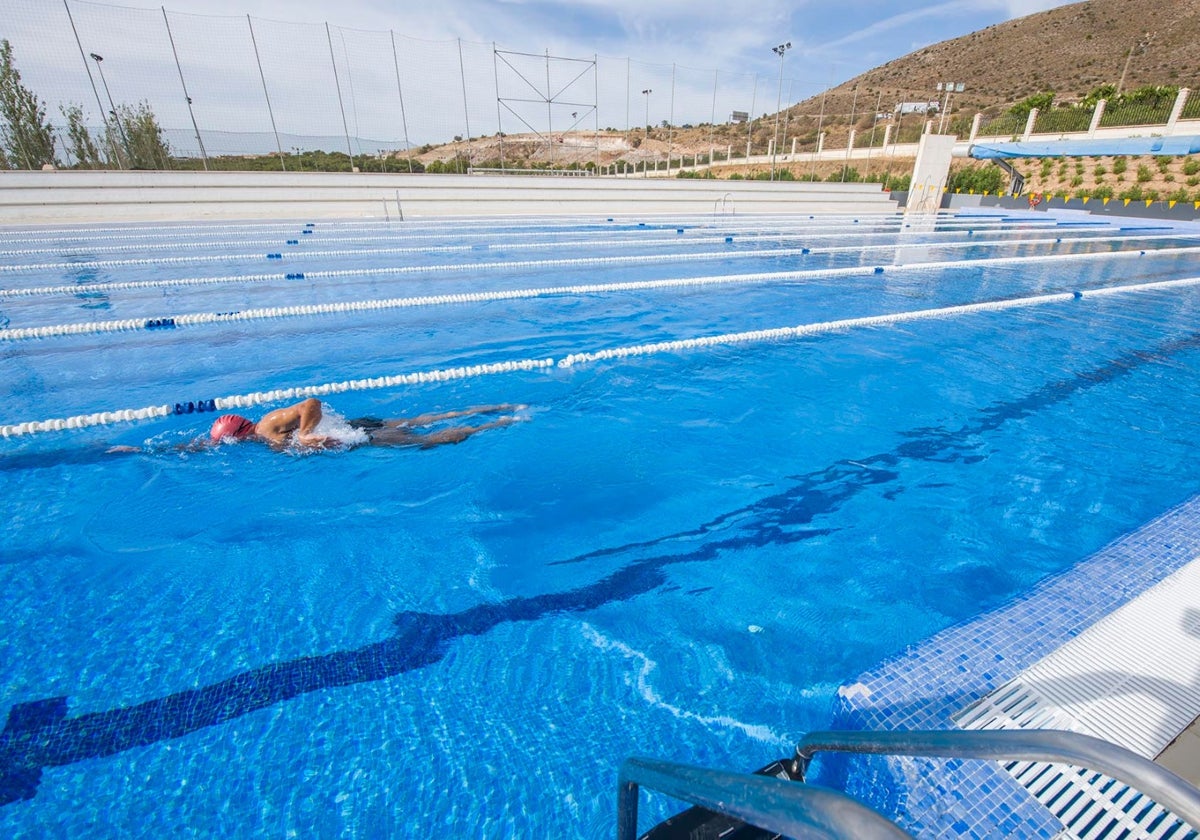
[776, 802]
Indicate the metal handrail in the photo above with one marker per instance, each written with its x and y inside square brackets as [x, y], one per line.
[787, 808]
[1047, 745]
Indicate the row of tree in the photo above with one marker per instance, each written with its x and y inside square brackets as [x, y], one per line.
[132, 138]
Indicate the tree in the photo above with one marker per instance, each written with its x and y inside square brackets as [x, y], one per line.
[142, 137]
[83, 148]
[26, 137]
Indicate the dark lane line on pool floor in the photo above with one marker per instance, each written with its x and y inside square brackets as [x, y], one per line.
[38, 734]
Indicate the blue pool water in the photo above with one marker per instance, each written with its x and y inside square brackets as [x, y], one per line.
[679, 553]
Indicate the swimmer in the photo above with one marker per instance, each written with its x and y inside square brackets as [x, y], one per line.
[296, 425]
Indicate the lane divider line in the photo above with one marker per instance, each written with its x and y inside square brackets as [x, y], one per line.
[570, 360]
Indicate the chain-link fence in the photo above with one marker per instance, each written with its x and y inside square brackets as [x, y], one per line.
[330, 96]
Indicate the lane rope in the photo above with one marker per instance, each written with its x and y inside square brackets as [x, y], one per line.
[570, 360]
[449, 268]
[310, 310]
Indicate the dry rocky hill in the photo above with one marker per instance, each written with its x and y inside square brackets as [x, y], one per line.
[1070, 50]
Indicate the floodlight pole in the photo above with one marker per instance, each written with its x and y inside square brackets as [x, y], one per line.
[779, 51]
[112, 106]
[647, 93]
[950, 87]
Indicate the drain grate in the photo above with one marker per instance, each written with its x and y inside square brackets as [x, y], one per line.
[1132, 679]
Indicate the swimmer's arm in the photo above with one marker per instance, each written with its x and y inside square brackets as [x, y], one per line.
[197, 445]
[427, 419]
[302, 418]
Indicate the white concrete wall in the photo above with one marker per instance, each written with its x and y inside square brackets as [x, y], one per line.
[79, 197]
[930, 173]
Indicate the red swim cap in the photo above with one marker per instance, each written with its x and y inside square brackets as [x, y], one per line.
[231, 425]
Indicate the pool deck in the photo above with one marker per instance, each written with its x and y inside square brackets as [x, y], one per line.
[1182, 756]
[934, 684]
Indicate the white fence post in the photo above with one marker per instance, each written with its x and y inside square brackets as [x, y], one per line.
[1033, 112]
[1180, 101]
[1096, 117]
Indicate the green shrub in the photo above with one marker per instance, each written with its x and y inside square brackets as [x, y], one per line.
[1102, 192]
[1134, 193]
[1119, 165]
[988, 178]
[1144, 174]
[1191, 166]
[1099, 170]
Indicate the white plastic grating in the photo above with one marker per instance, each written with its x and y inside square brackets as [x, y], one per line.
[1133, 679]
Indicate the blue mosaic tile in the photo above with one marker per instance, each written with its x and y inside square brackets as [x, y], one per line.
[973, 799]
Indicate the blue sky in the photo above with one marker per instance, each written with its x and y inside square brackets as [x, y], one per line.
[838, 37]
[449, 61]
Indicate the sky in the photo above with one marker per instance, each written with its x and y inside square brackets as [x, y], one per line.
[426, 73]
[846, 37]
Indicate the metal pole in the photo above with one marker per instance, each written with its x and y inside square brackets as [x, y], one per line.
[549, 109]
[183, 84]
[820, 123]
[712, 122]
[874, 124]
[499, 118]
[671, 124]
[596, 101]
[787, 118]
[262, 76]
[628, 123]
[750, 123]
[400, 92]
[107, 131]
[337, 85]
[647, 92]
[853, 105]
[466, 114]
[112, 105]
[779, 51]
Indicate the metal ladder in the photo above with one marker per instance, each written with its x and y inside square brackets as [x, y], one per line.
[794, 809]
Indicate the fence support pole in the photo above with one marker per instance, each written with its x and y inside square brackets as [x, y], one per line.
[462, 72]
[183, 84]
[108, 134]
[337, 85]
[403, 118]
[266, 95]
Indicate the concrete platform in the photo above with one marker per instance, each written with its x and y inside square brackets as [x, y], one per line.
[103, 196]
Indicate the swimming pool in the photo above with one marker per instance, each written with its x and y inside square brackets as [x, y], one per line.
[681, 551]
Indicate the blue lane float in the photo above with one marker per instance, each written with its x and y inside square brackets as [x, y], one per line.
[195, 407]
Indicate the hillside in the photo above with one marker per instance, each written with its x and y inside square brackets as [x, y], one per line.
[1070, 50]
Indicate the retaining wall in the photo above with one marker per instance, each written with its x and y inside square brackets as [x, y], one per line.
[102, 196]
